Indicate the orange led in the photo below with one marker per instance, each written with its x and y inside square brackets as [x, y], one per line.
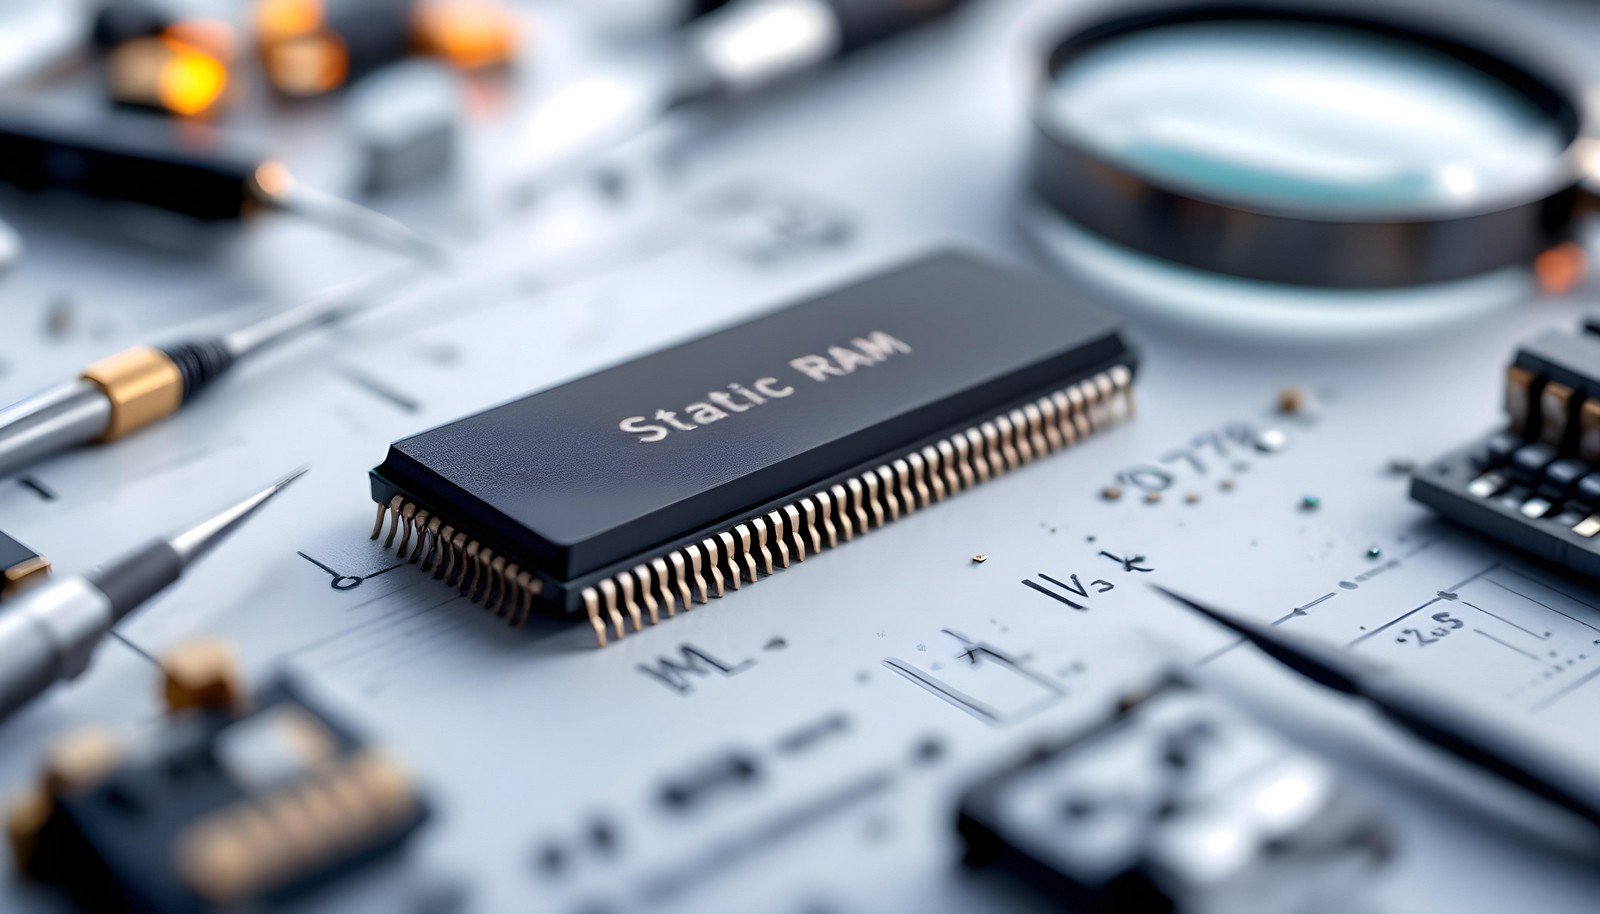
[167, 75]
[469, 34]
[191, 81]
[279, 19]
[307, 65]
[1560, 269]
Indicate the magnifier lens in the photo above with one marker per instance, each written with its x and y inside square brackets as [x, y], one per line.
[1297, 116]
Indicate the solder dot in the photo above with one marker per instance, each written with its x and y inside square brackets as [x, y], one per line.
[1192, 498]
[1151, 498]
[1291, 401]
[1111, 493]
[1226, 485]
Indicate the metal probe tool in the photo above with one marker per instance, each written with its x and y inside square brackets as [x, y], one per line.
[139, 386]
[50, 632]
[1502, 747]
[737, 50]
[189, 169]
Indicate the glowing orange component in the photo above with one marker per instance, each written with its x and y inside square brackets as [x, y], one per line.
[191, 81]
[167, 75]
[278, 19]
[469, 34]
[308, 65]
[1560, 269]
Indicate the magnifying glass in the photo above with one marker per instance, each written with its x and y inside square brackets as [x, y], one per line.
[1321, 148]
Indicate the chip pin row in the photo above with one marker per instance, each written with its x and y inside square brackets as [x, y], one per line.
[758, 547]
[461, 561]
[246, 849]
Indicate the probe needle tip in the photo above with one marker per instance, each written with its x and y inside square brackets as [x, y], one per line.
[352, 220]
[1309, 657]
[200, 538]
[289, 477]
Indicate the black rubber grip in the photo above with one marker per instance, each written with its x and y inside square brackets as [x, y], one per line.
[198, 362]
[865, 22]
[184, 168]
[132, 580]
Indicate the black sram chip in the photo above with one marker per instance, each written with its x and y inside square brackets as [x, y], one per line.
[636, 491]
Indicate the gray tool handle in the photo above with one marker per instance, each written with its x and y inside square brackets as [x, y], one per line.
[28, 660]
[1505, 747]
[46, 635]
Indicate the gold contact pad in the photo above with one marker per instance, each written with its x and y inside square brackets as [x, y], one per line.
[1519, 385]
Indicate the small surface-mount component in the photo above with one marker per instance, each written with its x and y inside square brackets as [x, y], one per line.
[668, 480]
[466, 34]
[161, 56]
[405, 122]
[1174, 802]
[166, 75]
[19, 566]
[235, 802]
[1535, 484]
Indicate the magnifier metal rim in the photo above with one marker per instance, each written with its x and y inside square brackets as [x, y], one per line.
[1304, 245]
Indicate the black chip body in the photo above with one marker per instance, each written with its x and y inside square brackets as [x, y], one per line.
[589, 480]
[124, 843]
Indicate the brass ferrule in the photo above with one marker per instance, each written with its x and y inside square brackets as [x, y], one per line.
[143, 386]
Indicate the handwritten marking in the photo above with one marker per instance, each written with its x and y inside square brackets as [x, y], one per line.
[347, 581]
[380, 390]
[954, 696]
[1507, 646]
[38, 488]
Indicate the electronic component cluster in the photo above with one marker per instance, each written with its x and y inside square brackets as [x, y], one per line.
[240, 798]
[1535, 484]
